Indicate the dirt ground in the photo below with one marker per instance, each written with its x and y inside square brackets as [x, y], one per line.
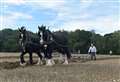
[104, 69]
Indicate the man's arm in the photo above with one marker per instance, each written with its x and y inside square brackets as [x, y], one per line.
[89, 50]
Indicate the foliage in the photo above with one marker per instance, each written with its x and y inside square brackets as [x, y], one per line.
[78, 40]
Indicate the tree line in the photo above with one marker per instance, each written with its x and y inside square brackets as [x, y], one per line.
[79, 40]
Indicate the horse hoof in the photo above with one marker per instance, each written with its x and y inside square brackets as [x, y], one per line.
[65, 63]
[53, 62]
[49, 64]
[22, 64]
[39, 63]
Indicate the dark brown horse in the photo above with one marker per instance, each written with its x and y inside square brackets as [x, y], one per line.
[28, 46]
[57, 41]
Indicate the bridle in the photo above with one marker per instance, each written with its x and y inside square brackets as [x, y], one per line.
[22, 37]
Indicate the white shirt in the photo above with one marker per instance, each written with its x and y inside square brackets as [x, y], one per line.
[92, 49]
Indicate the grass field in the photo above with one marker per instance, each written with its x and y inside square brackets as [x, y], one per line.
[104, 69]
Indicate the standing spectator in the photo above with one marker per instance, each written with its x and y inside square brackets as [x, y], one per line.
[110, 52]
[92, 51]
[78, 51]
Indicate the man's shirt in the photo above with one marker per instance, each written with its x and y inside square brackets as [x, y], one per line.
[92, 49]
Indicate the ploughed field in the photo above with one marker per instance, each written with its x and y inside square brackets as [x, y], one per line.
[80, 69]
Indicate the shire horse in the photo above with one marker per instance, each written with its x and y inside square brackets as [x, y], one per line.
[57, 41]
[29, 47]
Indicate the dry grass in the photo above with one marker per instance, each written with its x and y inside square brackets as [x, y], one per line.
[105, 69]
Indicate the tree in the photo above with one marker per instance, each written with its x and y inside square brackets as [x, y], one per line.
[78, 40]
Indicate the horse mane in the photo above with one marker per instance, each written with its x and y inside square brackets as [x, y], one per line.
[27, 36]
[53, 35]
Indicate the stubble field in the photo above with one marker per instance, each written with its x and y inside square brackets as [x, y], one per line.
[104, 69]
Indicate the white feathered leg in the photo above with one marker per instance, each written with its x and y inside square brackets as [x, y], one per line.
[65, 60]
[49, 63]
[23, 64]
[53, 62]
[39, 62]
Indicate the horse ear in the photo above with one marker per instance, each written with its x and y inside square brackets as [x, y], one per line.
[24, 30]
[44, 27]
[39, 27]
[18, 28]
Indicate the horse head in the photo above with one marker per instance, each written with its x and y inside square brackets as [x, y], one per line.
[46, 34]
[22, 35]
[43, 34]
[22, 29]
[42, 28]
